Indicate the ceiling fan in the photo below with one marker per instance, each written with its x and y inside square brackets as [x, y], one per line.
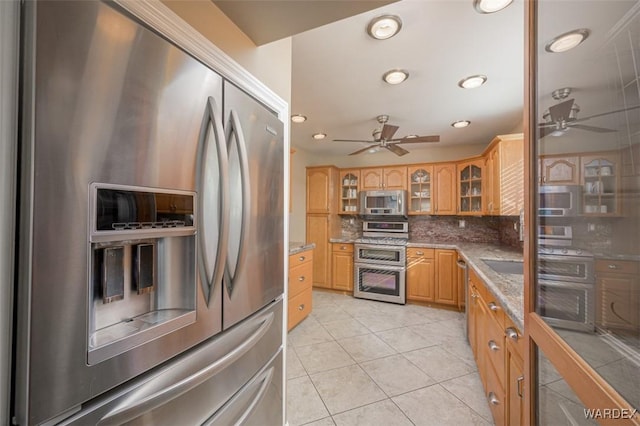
[561, 117]
[383, 138]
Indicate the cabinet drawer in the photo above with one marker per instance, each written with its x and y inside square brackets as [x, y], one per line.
[425, 253]
[494, 347]
[495, 396]
[300, 278]
[299, 308]
[298, 258]
[618, 266]
[342, 247]
[495, 309]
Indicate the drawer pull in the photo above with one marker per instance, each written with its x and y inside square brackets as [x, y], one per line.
[301, 258]
[493, 346]
[301, 278]
[301, 307]
[493, 307]
[343, 248]
[512, 333]
[520, 381]
[612, 266]
[493, 399]
[420, 253]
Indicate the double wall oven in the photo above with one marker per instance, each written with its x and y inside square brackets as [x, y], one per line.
[380, 261]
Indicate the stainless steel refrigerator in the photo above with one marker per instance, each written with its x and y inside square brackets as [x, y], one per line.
[150, 249]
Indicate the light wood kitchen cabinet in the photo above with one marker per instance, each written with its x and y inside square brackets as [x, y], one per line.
[419, 185]
[299, 287]
[420, 274]
[444, 189]
[446, 281]
[320, 228]
[348, 189]
[514, 374]
[504, 183]
[559, 170]
[618, 295]
[342, 267]
[470, 187]
[600, 179]
[384, 178]
[321, 190]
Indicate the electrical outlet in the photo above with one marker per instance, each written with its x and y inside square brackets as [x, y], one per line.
[591, 227]
[462, 224]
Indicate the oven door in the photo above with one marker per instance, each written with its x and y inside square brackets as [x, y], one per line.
[384, 283]
[379, 254]
[573, 269]
[567, 305]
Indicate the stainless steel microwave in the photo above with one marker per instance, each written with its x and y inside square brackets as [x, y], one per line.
[383, 203]
[559, 200]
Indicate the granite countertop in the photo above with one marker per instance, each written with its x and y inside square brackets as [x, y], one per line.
[508, 289]
[345, 240]
[296, 247]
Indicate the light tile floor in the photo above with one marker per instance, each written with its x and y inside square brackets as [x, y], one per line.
[360, 362]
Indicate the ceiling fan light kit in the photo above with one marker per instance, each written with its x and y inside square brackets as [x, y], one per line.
[396, 76]
[567, 41]
[384, 27]
[490, 6]
[460, 124]
[473, 81]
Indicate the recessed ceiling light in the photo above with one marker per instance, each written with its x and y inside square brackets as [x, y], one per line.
[472, 82]
[319, 136]
[395, 76]
[490, 6]
[460, 124]
[384, 27]
[298, 118]
[567, 41]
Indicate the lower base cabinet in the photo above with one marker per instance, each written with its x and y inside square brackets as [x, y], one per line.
[342, 267]
[432, 275]
[498, 349]
[299, 287]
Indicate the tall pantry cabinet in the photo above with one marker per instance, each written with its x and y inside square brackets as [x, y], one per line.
[322, 219]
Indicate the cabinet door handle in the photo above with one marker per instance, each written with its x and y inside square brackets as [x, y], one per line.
[512, 333]
[493, 399]
[493, 307]
[520, 381]
[612, 266]
[301, 307]
[493, 346]
[301, 279]
[420, 253]
[301, 258]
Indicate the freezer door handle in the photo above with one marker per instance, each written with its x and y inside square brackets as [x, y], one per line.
[212, 174]
[162, 389]
[240, 200]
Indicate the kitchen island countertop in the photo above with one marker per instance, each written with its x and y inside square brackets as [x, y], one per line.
[296, 247]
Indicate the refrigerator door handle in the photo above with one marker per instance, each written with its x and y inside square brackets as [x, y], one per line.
[220, 418]
[158, 391]
[212, 181]
[234, 127]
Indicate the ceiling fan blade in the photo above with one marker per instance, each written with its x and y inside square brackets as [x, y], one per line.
[418, 139]
[606, 113]
[361, 150]
[388, 131]
[396, 149]
[592, 128]
[354, 140]
[561, 111]
[545, 131]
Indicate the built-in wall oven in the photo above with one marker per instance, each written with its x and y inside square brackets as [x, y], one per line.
[380, 261]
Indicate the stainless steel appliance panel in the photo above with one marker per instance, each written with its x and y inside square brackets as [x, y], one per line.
[254, 273]
[573, 269]
[380, 254]
[236, 373]
[567, 305]
[559, 200]
[383, 203]
[106, 101]
[383, 283]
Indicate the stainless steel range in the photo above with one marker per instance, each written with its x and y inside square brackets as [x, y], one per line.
[566, 280]
[380, 261]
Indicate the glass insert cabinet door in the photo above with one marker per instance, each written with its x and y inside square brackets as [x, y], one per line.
[585, 108]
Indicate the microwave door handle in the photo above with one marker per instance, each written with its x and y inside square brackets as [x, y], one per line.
[210, 171]
[235, 127]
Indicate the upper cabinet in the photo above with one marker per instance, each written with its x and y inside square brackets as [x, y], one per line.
[470, 191]
[444, 189]
[321, 183]
[559, 170]
[420, 181]
[384, 178]
[349, 184]
[504, 171]
[601, 184]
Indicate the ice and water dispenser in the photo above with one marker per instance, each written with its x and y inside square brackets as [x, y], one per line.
[143, 266]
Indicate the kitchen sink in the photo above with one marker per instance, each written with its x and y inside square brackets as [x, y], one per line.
[505, 266]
